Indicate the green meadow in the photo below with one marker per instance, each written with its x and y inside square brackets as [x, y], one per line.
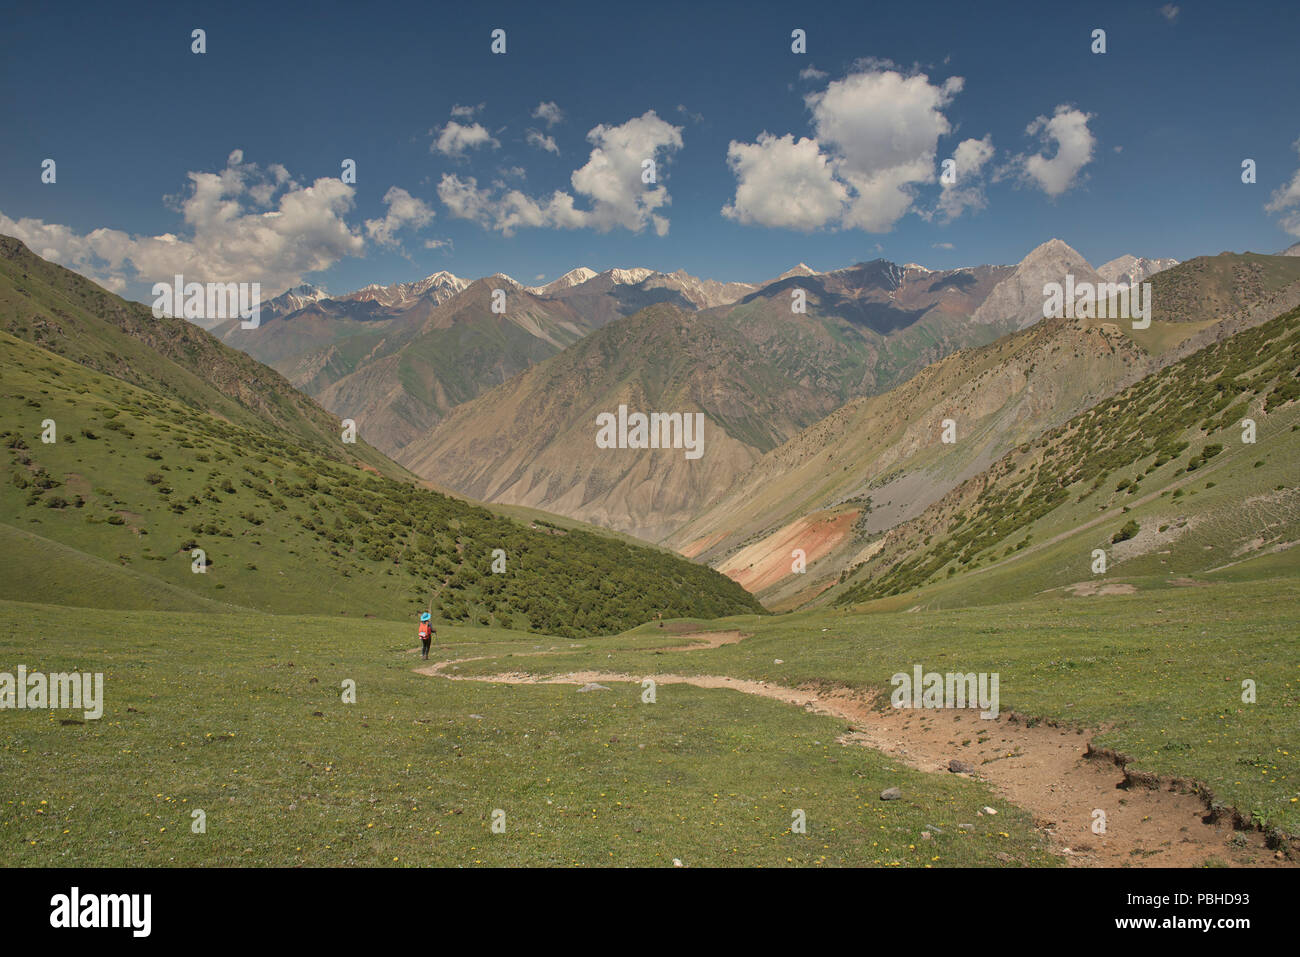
[241, 716]
[1159, 672]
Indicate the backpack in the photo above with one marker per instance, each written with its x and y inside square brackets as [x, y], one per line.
[426, 630]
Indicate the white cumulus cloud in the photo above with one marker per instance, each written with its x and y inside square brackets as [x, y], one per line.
[610, 183]
[967, 192]
[876, 135]
[548, 113]
[403, 210]
[883, 128]
[542, 141]
[1067, 129]
[1286, 201]
[505, 212]
[455, 138]
[783, 182]
[242, 224]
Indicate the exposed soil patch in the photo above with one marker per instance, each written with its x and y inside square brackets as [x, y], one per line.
[1150, 538]
[691, 549]
[77, 484]
[768, 561]
[708, 639]
[1088, 589]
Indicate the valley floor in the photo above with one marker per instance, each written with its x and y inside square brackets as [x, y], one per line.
[241, 716]
[1049, 771]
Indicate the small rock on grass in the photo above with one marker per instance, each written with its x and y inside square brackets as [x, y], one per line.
[890, 794]
[592, 686]
[960, 767]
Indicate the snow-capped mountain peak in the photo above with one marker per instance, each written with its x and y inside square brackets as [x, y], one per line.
[441, 286]
[291, 300]
[629, 277]
[1127, 269]
[574, 277]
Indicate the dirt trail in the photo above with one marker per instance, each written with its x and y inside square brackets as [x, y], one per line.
[701, 640]
[1043, 769]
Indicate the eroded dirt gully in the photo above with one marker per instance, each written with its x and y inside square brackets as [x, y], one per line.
[1052, 772]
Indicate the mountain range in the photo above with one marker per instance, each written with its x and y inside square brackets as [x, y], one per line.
[758, 369]
[819, 428]
[397, 359]
[824, 395]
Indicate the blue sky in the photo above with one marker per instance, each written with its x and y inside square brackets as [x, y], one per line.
[1136, 150]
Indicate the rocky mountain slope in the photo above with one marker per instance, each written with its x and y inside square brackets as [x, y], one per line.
[396, 359]
[759, 370]
[1164, 480]
[835, 488]
[1130, 269]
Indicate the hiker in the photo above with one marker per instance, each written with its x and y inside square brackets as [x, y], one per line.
[427, 631]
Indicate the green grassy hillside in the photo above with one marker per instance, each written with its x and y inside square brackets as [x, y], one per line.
[68, 314]
[108, 515]
[1209, 287]
[1158, 476]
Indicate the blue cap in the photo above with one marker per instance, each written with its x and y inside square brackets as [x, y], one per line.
[424, 616]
